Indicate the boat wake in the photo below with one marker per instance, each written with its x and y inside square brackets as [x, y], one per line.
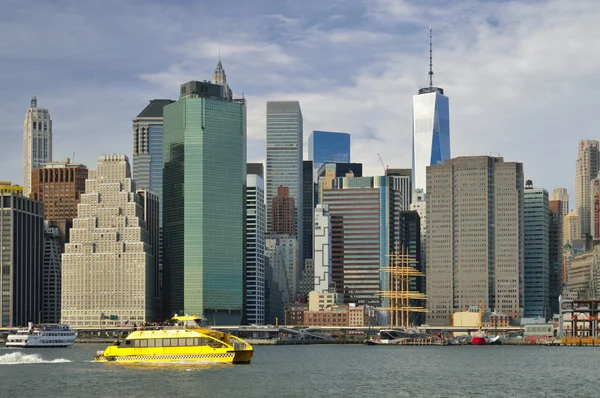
[18, 358]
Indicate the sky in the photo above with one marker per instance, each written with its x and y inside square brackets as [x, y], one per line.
[521, 76]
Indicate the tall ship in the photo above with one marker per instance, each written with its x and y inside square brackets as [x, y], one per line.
[187, 339]
[47, 335]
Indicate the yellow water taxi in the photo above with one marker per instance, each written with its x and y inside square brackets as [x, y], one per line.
[189, 339]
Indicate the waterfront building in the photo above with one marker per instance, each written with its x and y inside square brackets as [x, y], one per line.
[586, 170]
[346, 315]
[204, 174]
[107, 267]
[555, 256]
[584, 274]
[401, 181]
[7, 188]
[148, 147]
[256, 169]
[431, 128]
[254, 279]
[294, 314]
[537, 252]
[365, 230]
[283, 212]
[284, 158]
[320, 300]
[21, 260]
[322, 249]
[51, 274]
[37, 142]
[475, 236]
[571, 227]
[328, 147]
[330, 171]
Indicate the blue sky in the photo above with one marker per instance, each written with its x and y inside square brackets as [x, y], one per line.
[521, 76]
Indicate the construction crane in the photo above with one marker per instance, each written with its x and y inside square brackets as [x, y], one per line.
[382, 164]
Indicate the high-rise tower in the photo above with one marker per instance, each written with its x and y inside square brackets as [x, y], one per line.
[37, 142]
[431, 127]
[586, 170]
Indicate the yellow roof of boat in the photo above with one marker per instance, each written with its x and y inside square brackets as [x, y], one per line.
[186, 317]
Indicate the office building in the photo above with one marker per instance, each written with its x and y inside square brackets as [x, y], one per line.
[254, 281]
[256, 169]
[148, 147]
[562, 195]
[595, 207]
[322, 249]
[7, 188]
[402, 181]
[284, 158]
[51, 274]
[328, 147]
[571, 228]
[282, 254]
[37, 142]
[283, 212]
[475, 236]
[365, 230]
[21, 260]
[107, 267]
[586, 169]
[555, 256]
[431, 129]
[330, 171]
[204, 178]
[309, 199]
[536, 222]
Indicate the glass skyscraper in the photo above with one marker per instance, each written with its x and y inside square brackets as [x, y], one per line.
[431, 129]
[328, 147]
[284, 157]
[204, 158]
[148, 147]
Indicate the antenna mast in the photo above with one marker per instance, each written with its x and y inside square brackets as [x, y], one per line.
[430, 57]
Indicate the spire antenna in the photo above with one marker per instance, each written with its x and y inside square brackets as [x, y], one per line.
[430, 57]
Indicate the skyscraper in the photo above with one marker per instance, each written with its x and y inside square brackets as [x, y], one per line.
[562, 195]
[108, 268]
[37, 142]
[330, 171]
[536, 223]
[204, 179]
[51, 274]
[21, 260]
[431, 128]
[571, 228]
[309, 199]
[322, 245]
[555, 258]
[256, 223]
[148, 147]
[328, 147]
[475, 237]
[284, 212]
[284, 156]
[402, 181]
[586, 170]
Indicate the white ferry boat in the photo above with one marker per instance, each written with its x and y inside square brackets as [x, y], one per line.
[47, 335]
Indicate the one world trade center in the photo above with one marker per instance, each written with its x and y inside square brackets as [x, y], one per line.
[431, 128]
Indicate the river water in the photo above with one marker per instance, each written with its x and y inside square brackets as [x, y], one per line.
[313, 371]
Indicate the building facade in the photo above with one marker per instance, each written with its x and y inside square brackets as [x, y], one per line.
[562, 195]
[148, 147]
[475, 236]
[21, 260]
[283, 212]
[584, 274]
[309, 198]
[328, 147]
[256, 169]
[51, 274]
[328, 172]
[586, 169]
[7, 188]
[284, 157]
[107, 267]
[537, 252]
[37, 142]
[204, 178]
[402, 181]
[555, 256]
[322, 249]
[571, 227]
[254, 303]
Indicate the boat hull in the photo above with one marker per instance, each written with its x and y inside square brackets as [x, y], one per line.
[233, 357]
[478, 340]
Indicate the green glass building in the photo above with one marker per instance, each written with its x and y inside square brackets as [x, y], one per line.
[204, 178]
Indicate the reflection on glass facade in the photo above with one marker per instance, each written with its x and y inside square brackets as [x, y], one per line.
[431, 132]
[148, 146]
[204, 179]
[284, 156]
[365, 228]
[328, 147]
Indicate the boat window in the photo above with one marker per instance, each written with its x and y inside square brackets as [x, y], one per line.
[151, 342]
[143, 343]
[127, 342]
[189, 341]
[174, 342]
[166, 342]
[136, 343]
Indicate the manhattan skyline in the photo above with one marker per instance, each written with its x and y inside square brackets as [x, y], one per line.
[514, 71]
